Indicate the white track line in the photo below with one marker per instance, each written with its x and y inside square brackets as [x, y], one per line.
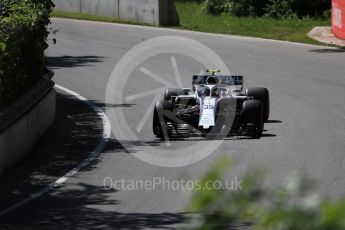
[92, 156]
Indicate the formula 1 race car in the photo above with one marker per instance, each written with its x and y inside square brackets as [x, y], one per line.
[216, 106]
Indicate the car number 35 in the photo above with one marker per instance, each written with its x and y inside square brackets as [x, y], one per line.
[208, 106]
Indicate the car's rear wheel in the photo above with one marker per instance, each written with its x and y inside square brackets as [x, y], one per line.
[262, 95]
[172, 92]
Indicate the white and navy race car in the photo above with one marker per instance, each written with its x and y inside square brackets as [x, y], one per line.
[216, 106]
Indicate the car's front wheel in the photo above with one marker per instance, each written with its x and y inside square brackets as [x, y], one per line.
[252, 113]
[160, 112]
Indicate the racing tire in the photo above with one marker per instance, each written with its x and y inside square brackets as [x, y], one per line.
[261, 94]
[172, 92]
[252, 112]
[159, 120]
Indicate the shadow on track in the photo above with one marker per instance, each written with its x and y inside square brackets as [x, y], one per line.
[229, 138]
[72, 61]
[84, 207]
[73, 136]
[323, 51]
[273, 122]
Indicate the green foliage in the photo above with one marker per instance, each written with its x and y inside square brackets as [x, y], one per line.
[311, 8]
[236, 7]
[214, 7]
[23, 37]
[208, 196]
[193, 1]
[292, 206]
[273, 8]
[297, 8]
[244, 7]
[279, 9]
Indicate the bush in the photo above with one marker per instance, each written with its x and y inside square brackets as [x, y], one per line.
[272, 8]
[236, 7]
[23, 40]
[239, 8]
[300, 8]
[197, 1]
[279, 9]
[214, 7]
[312, 8]
[292, 206]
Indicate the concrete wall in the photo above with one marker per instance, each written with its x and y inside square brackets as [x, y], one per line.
[68, 5]
[20, 136]
[152, 12]
[140, 11]
[106, 8]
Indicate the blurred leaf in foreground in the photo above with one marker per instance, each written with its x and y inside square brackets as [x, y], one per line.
[291, 206]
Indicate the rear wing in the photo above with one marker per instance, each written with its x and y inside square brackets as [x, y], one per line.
[226, 80]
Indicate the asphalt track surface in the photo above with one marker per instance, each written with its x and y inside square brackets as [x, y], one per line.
[306, 131]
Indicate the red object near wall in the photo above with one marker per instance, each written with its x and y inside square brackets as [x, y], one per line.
[338, 18]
